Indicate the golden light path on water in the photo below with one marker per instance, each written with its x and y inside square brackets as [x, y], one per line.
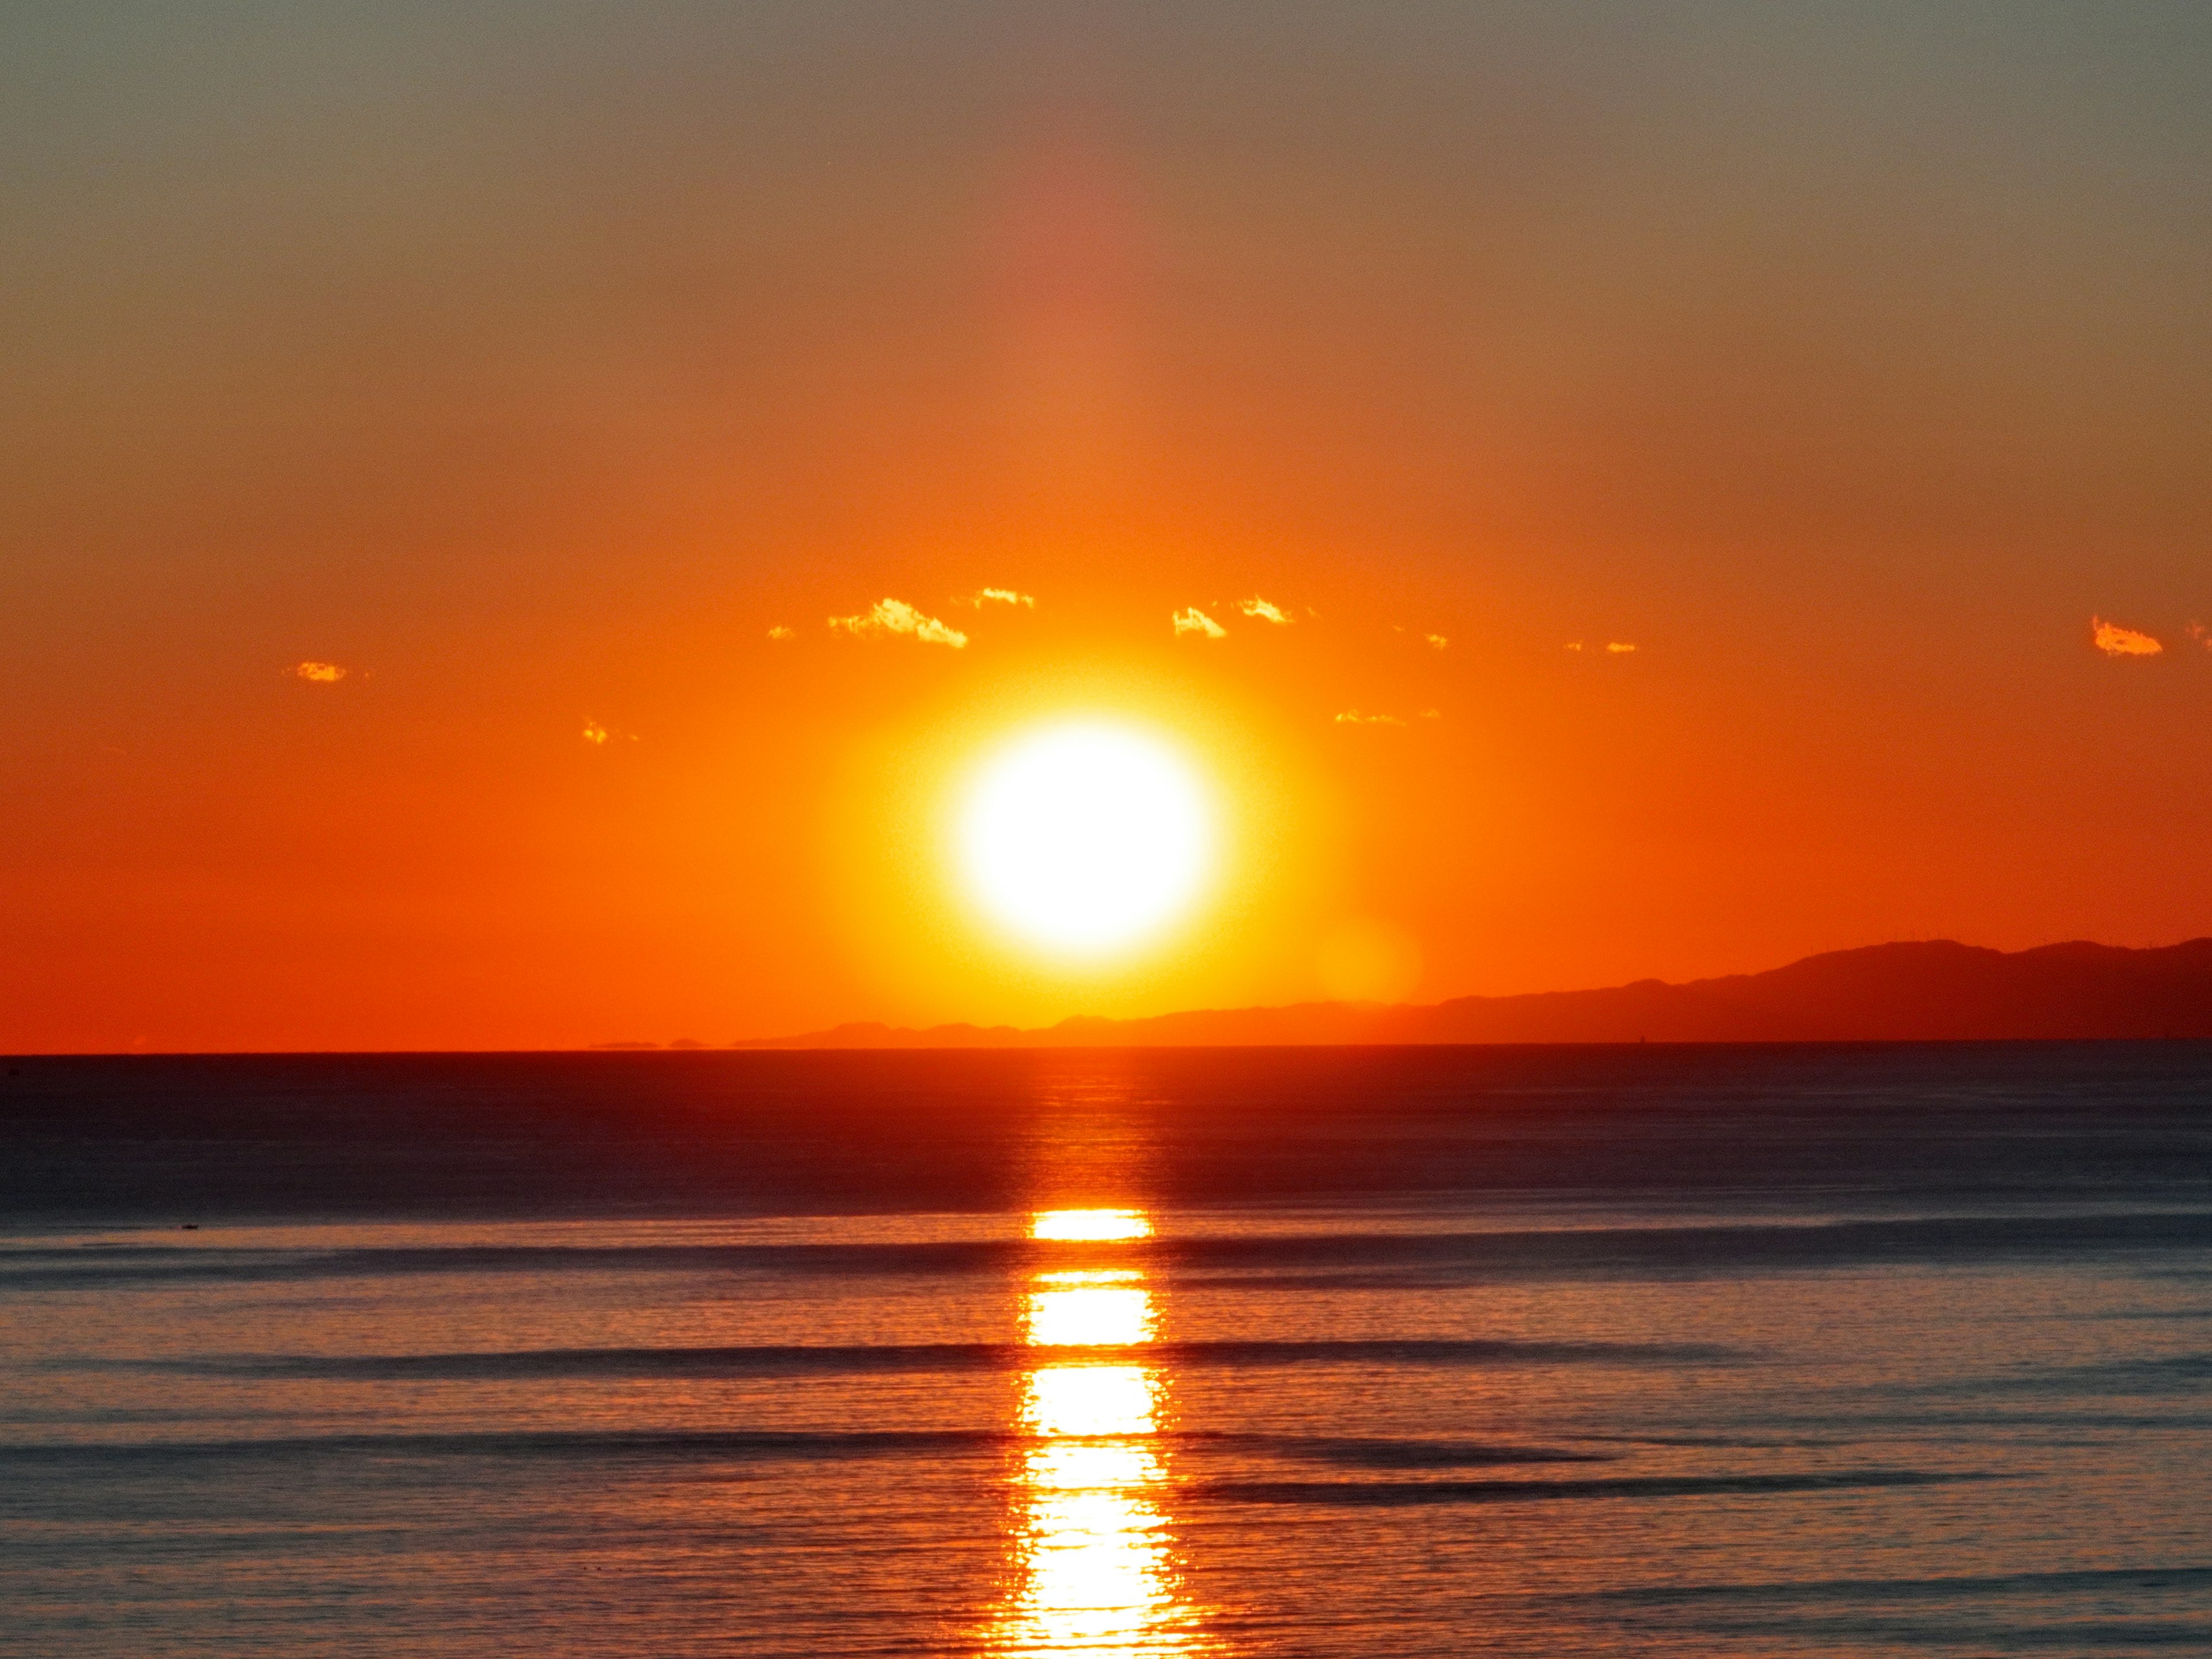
[1094, 1566]
[1075, 1225]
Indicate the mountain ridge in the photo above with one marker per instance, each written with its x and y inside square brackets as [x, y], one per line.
[1930, 990]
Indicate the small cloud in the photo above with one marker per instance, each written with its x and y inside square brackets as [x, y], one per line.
[780, 632]
[2115, 641]
[1195, 621]
[2201, 634]
[1619, 648]
[1432, 714]
[320, 673]
[1436, 641]
[594, 734]
[1256, 606]
[898, 616]
[1353, 717]
[983, 596]
[1574, 645]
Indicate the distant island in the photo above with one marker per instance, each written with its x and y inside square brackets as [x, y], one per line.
[1935, 990]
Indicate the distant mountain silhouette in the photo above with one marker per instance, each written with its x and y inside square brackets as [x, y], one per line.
[1935, 990]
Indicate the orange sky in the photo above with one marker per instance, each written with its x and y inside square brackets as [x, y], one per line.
[531, 363]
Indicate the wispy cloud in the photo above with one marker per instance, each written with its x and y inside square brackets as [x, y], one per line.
[898, 616]
[2115, 641]
[1436, 641]
[1192, 620]
[2201, 634]
[320, 673]
[780, 632]
[1256, 606]
[1355, 717]
[1619, 648]
[1574, 645]
[983, 596]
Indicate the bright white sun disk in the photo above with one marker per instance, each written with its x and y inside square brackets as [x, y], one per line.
[1084, 836]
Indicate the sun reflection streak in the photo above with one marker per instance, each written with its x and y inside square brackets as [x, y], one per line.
[1093, 1315]
[1084, 1224]
[1091, 1399]
[1094, 1565]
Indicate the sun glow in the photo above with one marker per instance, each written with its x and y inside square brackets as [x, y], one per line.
[1086, 836]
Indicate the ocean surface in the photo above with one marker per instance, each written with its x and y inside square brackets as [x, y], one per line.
[1834, 1350]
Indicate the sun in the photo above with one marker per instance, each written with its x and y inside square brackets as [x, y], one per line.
[1086, 836]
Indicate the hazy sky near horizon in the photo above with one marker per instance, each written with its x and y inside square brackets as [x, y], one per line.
[531, 363]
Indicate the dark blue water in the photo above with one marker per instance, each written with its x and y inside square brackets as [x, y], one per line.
[1863, 1351]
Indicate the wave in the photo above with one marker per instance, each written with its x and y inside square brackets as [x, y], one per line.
[784, 1446]
[863, 1359]
[2013, 1612]
[2185, 1374]
[2110, 1580]
[1330, 1260]
[1369, 1494]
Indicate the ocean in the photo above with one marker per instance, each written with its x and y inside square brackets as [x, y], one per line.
[1793, 1350]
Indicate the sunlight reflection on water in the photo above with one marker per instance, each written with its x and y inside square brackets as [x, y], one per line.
[1076, 1225]
[1094, 1564]
[1090, 1315]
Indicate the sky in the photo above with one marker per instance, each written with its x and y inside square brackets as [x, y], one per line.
[438, 439]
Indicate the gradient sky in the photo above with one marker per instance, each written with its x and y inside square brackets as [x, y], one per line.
[530, 362]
